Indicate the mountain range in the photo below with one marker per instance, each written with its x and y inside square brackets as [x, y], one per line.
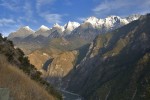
[71, 32]
[104, 25]
[99, 59]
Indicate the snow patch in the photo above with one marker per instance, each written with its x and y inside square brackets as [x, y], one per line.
[44, 28]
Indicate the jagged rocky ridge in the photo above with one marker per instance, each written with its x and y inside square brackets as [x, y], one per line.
[75, 34]
[117, 65]
[104, 25]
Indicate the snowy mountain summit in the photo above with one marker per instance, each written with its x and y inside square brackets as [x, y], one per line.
[110, 21]
[44, 28]
[103, 25]
[70, 26]
[22, 32]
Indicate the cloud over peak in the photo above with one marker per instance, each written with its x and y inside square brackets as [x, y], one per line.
[41, 3]
[53, 18]
[5, 22]
[121, 6]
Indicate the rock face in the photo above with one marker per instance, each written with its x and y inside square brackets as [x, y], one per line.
[38, 59]
[53, 65]
[62, 64]
[116, 66]
[60, 67]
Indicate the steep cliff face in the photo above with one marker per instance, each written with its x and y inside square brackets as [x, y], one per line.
[116, 66]
[53, 64]
[60, 66]
[38, 58]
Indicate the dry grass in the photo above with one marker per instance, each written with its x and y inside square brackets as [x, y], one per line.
[21, 86]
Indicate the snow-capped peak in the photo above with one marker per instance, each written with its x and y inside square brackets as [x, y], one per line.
[112, 19]
[113, 16]
[133, 17]
[56, 25]
[110, 22]
[71, 25]
[45, 28]
[91, 19]
[22, 32]
[27, 28]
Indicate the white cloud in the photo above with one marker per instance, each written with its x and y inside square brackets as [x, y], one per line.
[7, 26]
[40, 3]
[109, 6]
[6, 22]
[52, 18]
[6, 32]
[81, 19]
[13, 5]
[28, 13]
[28, 9]
[24, 8]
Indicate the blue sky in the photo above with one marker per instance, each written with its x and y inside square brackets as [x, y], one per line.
[34, 13]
